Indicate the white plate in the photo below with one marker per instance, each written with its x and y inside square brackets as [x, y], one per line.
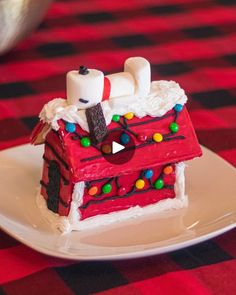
[211, 187]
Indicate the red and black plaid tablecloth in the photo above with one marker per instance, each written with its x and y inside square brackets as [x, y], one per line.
[190, 41]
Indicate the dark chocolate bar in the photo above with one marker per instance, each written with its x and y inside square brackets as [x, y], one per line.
[96, 123]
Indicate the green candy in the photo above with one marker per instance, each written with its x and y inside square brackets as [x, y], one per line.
[85, 142]
[116, 118]
[174, 127]
[106, 189]
[159, 183]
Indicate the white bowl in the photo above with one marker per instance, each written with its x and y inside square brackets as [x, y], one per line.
[18, 18]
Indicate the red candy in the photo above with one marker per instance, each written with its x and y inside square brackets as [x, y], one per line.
[142, 137]
[121, 191]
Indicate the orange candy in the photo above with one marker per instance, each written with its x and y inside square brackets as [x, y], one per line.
[106, 149]
[168, 170]
[93, 190]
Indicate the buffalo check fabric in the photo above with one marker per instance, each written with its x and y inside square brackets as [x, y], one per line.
[190, 41]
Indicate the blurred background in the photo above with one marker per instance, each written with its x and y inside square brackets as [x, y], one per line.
[190, 41]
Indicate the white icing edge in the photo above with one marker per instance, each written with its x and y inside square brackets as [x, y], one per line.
[162, 97]
[72, 222]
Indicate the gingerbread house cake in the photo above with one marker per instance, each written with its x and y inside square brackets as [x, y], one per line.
[84, 183]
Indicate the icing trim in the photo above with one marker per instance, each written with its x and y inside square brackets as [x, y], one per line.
[163, 96]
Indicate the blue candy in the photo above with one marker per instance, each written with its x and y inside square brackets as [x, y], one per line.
[70, 127]
[125, 138]
[148, 173]
[178, 107]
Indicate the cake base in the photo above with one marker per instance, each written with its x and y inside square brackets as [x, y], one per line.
[72, 222]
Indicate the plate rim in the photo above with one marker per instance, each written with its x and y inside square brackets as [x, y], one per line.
[126, 255]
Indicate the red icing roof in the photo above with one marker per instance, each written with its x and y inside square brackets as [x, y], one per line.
[88, 163]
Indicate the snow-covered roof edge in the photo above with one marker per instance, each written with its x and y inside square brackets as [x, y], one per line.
[163, 96]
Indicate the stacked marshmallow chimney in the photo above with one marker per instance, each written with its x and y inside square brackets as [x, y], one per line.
[88, 87]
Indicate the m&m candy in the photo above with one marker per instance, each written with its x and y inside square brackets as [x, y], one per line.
[178, 107]
[129, 116]
[85, 142]
[140, 183]
[159, 183]
[106, 149]
[116, 118]
[157, 137]
[142, 137]
[121, 191]
[148, 173]
[174, 127]
[70, 127]
[124, 138]
[106, 188]
[168, 170]
[93, 190]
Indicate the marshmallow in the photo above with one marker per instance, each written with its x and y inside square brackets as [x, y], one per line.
[122, 84]
[84, 90]
[139, 68]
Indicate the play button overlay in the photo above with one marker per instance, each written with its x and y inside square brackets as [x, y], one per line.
[118, 147]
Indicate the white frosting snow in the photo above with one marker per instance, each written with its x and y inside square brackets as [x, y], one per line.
[162, 97]
[72, 222]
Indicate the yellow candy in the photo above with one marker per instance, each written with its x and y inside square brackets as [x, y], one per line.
[140, 183]
[129, 116]
[157, 137]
